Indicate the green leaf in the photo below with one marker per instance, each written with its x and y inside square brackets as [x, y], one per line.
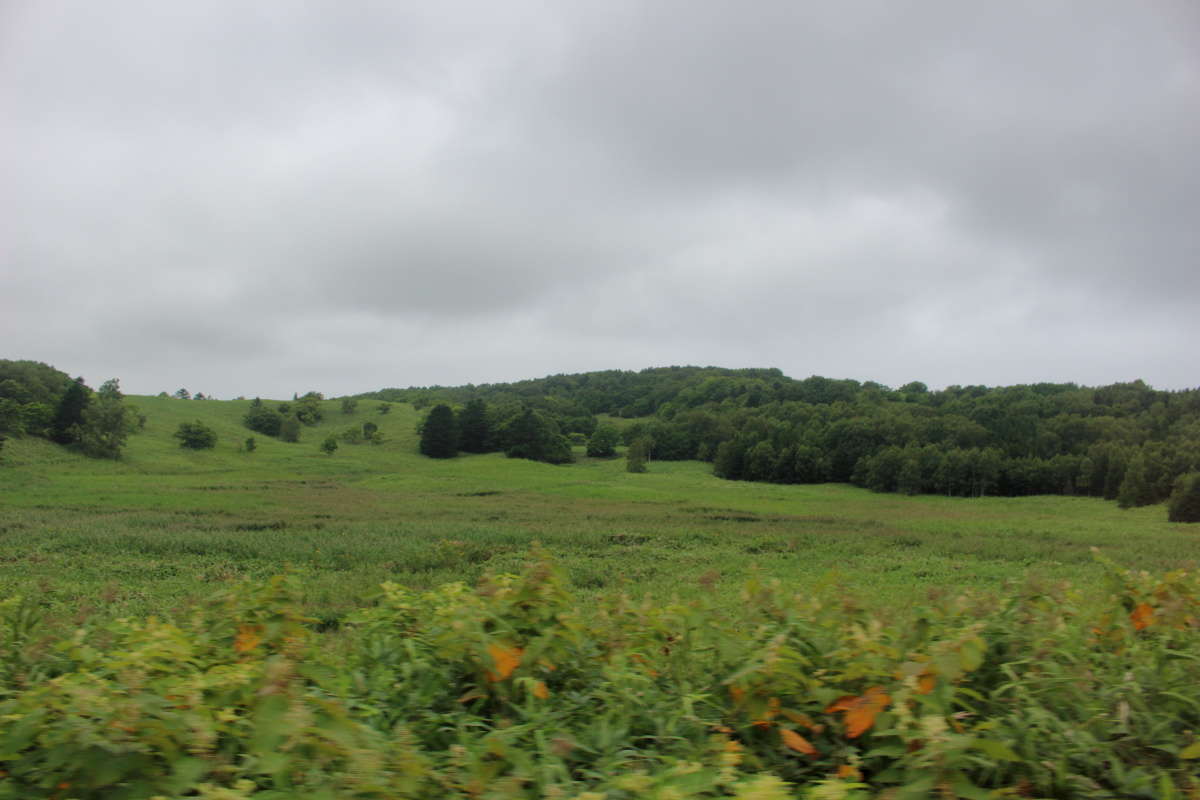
[995, 749]
[1191, 751]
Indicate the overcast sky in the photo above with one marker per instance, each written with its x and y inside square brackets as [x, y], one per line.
[268, 197]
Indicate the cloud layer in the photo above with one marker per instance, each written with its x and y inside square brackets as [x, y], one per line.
[263, 198]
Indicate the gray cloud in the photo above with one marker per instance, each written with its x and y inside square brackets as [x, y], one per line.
[269, 198]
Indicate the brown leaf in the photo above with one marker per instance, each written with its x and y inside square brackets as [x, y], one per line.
[860, 712]
[248, 638]
[797, 742]
[540, 691]
[1142, 617]
[506, 660]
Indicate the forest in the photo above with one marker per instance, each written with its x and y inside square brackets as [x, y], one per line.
[1126, 441]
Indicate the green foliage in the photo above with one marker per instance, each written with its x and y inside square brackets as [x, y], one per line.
[196, 436]
[1184, 505]
[182, 394]
[250, 445]
[384, 408]
[261, 419]
[106, 425]
[474, 431]
[637, 455]
[532, 435]
[330, 445]
[603, 442]
[308, 408]
[69, 415]
[516, 688]
[289, 429]
[349, 405]
[439, 433]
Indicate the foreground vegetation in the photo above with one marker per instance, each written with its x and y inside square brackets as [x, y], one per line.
[511, 690]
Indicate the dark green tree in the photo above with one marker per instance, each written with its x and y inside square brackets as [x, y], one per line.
[474, 433]
[330, 445]
[349, 405]
[603, 442]
[384, 408]
[69, 415]
[249, 445]
[1184, 505]
[261, 419]
[196, 436]
[1135, 489]
[439, 433]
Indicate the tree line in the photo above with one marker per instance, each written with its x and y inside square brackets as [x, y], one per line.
[1125, 441]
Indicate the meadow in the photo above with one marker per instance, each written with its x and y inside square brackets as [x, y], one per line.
[164, 525]
[231, 625]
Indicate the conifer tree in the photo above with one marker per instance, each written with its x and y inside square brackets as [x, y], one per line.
[439, 434]
[473, 431]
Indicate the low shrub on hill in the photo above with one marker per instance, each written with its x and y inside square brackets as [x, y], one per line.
[513, 689]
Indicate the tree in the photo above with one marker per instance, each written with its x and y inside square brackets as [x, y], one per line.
[439, 433]
[250, 445]
[603, 442]
[105, 427]
[1184, 505]
[69, 415]
[384, 408]
[196, 436]
[110, 390]
[349, 404]
[182, 394]
[1135, 489]
[635, 456]
[330, 445]
[474, 434]
[533, 436]
[261, 419]
[308, 408]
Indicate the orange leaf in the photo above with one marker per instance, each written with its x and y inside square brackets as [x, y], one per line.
[506, 660]
[248, 638]
[797, 742]
[925, 684]
[860, 711]
[846, 771]
[736, 693]
[1142, 616]
[540, 691]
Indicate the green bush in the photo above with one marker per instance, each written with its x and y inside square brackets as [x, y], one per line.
[196, 436]
[1184, 505]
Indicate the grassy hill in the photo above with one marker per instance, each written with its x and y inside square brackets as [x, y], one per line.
[165, 524]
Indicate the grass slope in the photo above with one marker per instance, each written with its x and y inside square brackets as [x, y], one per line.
[164, 525]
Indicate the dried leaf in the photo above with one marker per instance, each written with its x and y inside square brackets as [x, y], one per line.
[925, 684]
[797, 742]
[860, 711]
[540, 691]
[1142, 616]
[248, 638]
[506, 660]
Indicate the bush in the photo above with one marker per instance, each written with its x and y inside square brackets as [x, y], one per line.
[330, 445]
[196, 436]
[1184, 505]
[603, 442]
[250, 445]
[261, 419]
[289, 430]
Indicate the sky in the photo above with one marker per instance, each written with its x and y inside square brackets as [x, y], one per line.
[275, 197]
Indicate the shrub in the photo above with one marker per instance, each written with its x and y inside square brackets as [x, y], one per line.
[1184, 505]
[330, 445]
[196, 436]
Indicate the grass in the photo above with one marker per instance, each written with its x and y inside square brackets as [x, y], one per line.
[164, 526]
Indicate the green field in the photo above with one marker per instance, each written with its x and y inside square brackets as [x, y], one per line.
[165, 525]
